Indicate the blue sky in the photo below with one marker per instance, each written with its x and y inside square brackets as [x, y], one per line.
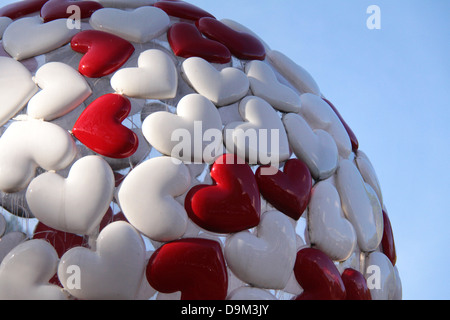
[391, 86]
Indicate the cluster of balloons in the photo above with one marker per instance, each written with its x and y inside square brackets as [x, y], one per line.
[162, 153]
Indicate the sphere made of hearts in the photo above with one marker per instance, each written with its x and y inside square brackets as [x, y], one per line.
[160, 153]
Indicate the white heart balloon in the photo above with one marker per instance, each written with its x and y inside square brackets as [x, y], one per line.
[398, 286]
[299, 78]
[30, 37]
[320, 115]
[221, 87]
[267, 143]
[4, 23]
[329, 231]
[264, 260]
[114, 271]
[147, 198]
[368, 173]
[264, 84]
[26, 271]
[361, 206]
[76, 204]
[9, 241]
[16, 88]
[63, 89]
[316, 148]
[381, 277]
[139, 25]
[27, 145]
[185, 135]
[155, 77]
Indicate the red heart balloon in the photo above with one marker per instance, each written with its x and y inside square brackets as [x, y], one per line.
[232, 204]
[351, 134]
[318, 276]
[288, 191]
[100, 127]
[61, 241]
[388, 243]
[186, 41]
[182, 10]
[21, 8]
[243, 45]
[196, 267]
[57, 9]
[355, 285]
[104, 52]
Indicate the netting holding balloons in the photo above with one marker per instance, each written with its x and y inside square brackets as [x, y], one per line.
[151, 151]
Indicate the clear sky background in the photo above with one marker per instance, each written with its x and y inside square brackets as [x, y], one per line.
[391, 86]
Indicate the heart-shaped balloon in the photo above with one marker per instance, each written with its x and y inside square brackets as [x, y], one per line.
[242, 45]
[9, 241]
[60, 240]
[30, 37]
[59, 9]
[264, 84]
[4, 23]
[100, 127]
[381, 277]
[25, 273]
[320, 115]
[316, 148]
[318, 276]
[289, 191]
[361, 206]
[183, 10]
[297, 76]
[265, 259]
[329, 231]
[103, 52]
[232, 204]
[368, 173]
[155, 77]
[184, 135]
[27, 145]
[113, 271]
[388, 243]
[221, 87]
[16, 88]
[355, 285]
[147, 198]
[196, 267]
[268, 142]
[76, 204]
[57, 98]
[21, 8]
[138, 29]
[186, 41]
